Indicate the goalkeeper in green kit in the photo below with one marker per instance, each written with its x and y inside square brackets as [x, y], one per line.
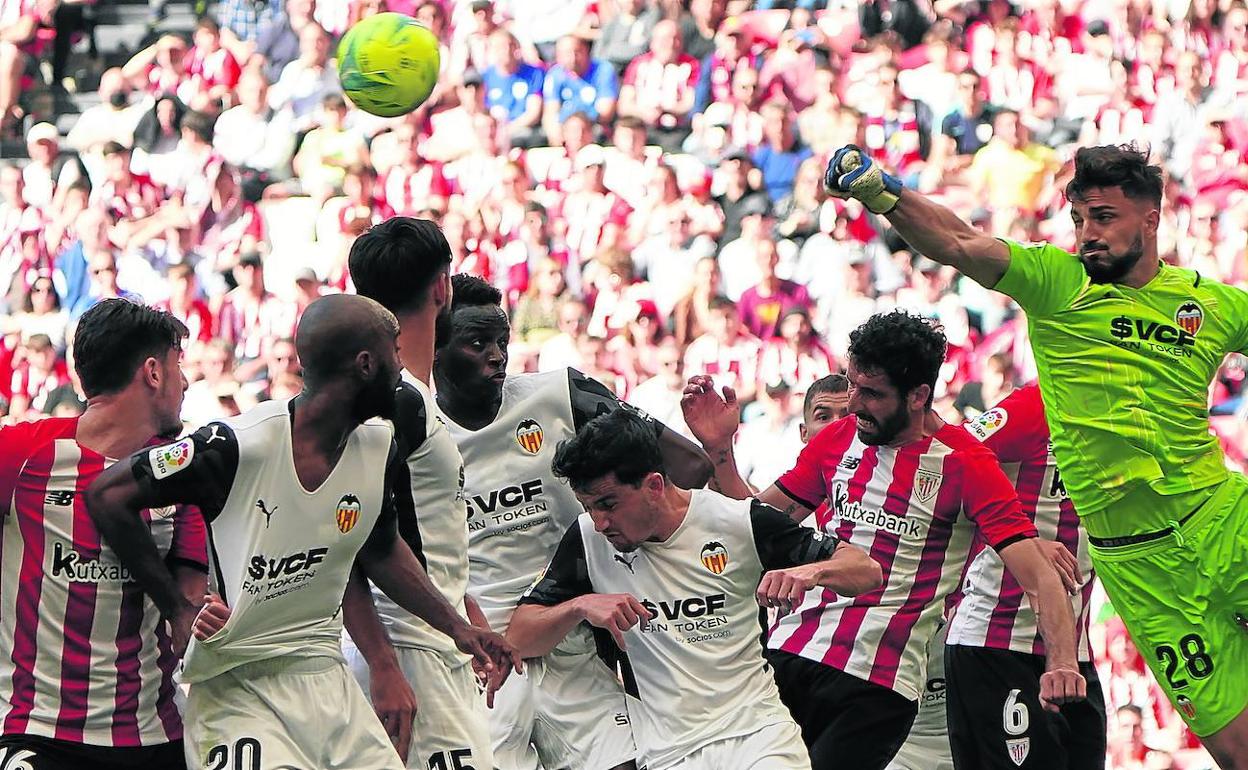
[1126, 347]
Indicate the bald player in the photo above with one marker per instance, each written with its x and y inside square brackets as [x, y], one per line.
[295, 496]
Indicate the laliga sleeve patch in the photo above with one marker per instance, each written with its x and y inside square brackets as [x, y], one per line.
[169, 459]
[988, 423]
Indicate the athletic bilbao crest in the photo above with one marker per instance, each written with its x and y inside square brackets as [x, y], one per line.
[348, 513]
[1189, 317]
[1018, 749]
[529, 436]
[715, 557]
[926, 485]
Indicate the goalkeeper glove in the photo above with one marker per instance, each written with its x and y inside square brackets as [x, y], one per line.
[853, 174]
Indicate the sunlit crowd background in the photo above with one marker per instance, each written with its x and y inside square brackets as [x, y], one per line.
[640, 178]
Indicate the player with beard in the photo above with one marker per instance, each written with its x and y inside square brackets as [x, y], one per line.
[294, 492]
[914, 492]
[404, 264]
[1126, 347]
[569, 710]
[87, 676]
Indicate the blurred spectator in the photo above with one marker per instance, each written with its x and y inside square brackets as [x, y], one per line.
[41, 313]
[284, 375]
[698, 27]
[659, 396]
[1178, 118]
[128, 198]
[415, 184]
[454, 132]
[213, 395]
[253, 137]
[306, 81]
[279, 41]
[161, 68]
[626, 35]
[898, 129]
[660, 88]
[798, 212]
[739, 194]
[471, 49]
[1009, 173]
[569, 347]
[513, 90]
[966, 129]
[48, 169]
[738, 259]
[17, 217]
[669, 258]
[112, 120]
[241, 21]
[157, 134]
[996, 381]
[535, 318]
[691, 316]
[781, 151]
[763, 304]
[328, 151]
[595, 216]
[251, 317]
[19, 23]
[37, 374]
[212, 69]
[767, 444]
[798, 356]
[185, 303]
[727, 351]
[577, 84]
[730, 58]
[540, 23]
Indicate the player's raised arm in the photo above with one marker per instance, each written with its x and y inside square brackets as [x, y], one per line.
[929, 227]
[714, 419]
[184, 472]
[686, 464]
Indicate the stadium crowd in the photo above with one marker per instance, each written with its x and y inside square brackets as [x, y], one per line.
[643, 182]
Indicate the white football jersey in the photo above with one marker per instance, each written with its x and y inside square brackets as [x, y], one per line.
[429, 501]
[517, 508]
[696, 669]
[280, 554]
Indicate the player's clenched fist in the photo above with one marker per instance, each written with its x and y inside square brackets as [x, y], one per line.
[1060, 686]
[615, 613]
[211, 618]
[784, 588]
[853, 174]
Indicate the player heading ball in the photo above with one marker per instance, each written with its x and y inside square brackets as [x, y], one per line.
[676, 577]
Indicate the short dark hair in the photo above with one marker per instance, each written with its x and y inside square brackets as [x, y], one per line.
[200, 124]
[832, 383]
[906, 348]
[1124, 166]
[721, 302]
[115, 337]
[397, 261]
[469, 290]
[619, 442]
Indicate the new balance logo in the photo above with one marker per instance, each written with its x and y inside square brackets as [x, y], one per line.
[851, 463]
[59, 497]
[268, 514]
[627, 562]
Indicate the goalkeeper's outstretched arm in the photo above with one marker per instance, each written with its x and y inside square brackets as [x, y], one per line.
[935, 231]
[927, 226]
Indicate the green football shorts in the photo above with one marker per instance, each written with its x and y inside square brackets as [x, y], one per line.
[1184, 599]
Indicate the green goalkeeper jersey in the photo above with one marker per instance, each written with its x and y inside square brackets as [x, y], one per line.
[1125, 376]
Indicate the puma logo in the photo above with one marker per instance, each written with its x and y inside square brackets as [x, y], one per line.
[268, 514]
[627, 562]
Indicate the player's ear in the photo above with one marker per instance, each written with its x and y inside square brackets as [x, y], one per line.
[917, 399]
[366, 365]
[801, 431]
[441, 291]
[152, 372]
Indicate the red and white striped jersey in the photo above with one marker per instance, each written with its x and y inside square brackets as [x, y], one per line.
[86, 656]
[993, 612]
[912, 509]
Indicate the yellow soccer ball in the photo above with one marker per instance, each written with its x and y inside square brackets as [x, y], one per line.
[388, 64]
